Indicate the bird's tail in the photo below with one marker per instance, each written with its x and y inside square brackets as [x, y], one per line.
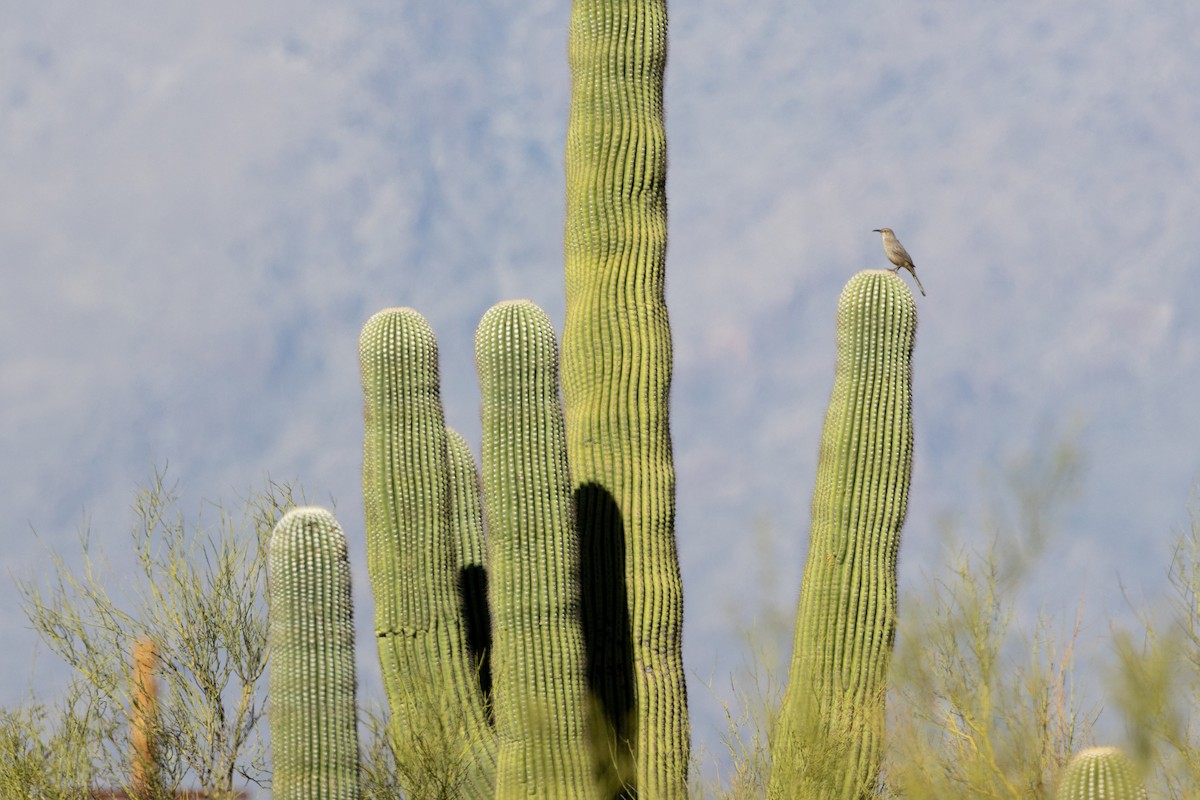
[918, 280]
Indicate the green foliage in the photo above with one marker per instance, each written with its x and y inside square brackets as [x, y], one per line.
[196, 589]
[314, 725]
[829, 740]
[983, 703]
[50, 753]
[979, 708]
[970, 687]
[755, 692]
[750, 717]
[1155, 680]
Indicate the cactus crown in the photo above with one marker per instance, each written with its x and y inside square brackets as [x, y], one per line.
[1100, 773]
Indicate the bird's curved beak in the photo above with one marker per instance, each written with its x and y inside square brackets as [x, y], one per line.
[877, 230]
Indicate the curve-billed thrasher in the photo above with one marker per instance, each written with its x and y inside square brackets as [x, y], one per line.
[898, 255]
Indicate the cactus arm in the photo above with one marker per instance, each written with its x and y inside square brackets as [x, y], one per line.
[828, 743]
[438, 713]
[314, 725]
[616, 381]
[466, 512]
[541, 705]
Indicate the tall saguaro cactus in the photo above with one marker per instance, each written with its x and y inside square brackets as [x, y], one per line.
[828, 740]
[616, 381]
[314, 723]
[626, 592]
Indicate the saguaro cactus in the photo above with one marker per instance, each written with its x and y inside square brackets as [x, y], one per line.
[425, 533]
[314, 733]
[541, 700]
[616, 382]
[439, 720]
[828, 741]
[1100, 773]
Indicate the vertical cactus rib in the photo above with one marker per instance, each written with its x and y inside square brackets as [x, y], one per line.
[438, 715]
[616, 381]
[1100, 773]
[541, 704]
[828, 741]
[314, 724]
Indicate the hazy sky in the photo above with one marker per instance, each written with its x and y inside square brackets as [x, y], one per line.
[200, 204]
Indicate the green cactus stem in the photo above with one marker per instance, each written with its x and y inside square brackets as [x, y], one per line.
[314, 725]
[541, 698]
[439, 719]
[616, 381]
[1100, 773]
[470, 547]
[828, 740]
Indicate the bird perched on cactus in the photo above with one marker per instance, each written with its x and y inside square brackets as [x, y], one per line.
[898, 255]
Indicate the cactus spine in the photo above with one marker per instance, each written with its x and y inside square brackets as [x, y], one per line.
[616, 381]
[541, 702]
[439, 722]
[828, 741]
[1100, 773]
[314, 733]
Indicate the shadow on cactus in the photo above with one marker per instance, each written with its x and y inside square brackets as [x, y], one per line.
[605, 601]
[472, 591]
